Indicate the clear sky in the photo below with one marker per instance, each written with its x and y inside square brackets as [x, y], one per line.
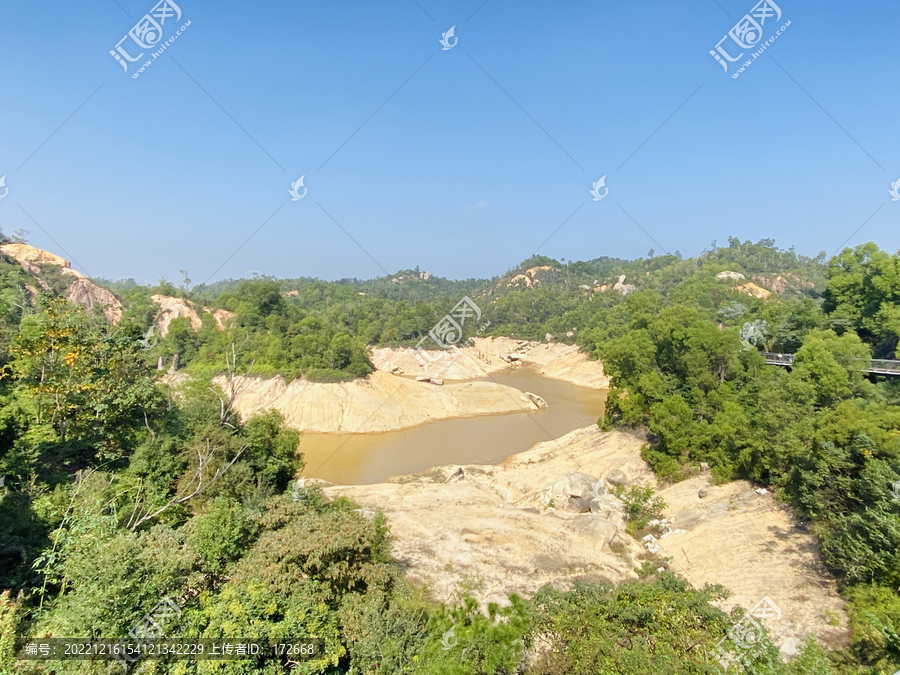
[467, 159]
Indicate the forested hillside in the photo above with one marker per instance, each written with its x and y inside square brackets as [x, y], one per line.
[119, 491]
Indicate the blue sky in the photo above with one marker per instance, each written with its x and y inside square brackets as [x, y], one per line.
[472, 164]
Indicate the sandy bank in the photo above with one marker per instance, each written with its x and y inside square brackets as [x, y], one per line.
[489, 355]
[378, 403]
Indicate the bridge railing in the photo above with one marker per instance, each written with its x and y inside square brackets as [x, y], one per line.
[884, 366]
[876, 366]
[779, 359]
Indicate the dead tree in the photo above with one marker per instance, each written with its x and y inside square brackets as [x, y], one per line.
[234, 383]
[199, 482]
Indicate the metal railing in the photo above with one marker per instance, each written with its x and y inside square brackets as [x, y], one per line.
[874, 366]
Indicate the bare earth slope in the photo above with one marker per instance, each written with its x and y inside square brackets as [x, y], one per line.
[489, 355]
[753, 545]
[380, 402]
[491, 529]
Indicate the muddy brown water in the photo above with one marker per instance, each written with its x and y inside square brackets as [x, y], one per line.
[357, 459]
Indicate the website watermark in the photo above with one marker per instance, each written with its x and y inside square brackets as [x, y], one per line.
[751, 636]
[150, 627]
[446, 333]
[147, 34]
[747, 34]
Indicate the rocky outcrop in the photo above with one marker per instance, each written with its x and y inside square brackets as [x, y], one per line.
[536, 400]
[735, 276]
[27, 256]
[492, 523]
[174, 308]
[756, 291]
[528, 277]
[81, 291]
[572, 492]
[495, 523]
[784, 283]
[378, 403]
[223, 317]
[171, 308]
[623, 288]
[490, 355]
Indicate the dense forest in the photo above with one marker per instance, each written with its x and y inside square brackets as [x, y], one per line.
[119, 491]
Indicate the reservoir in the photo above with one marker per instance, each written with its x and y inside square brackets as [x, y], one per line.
[355, 459]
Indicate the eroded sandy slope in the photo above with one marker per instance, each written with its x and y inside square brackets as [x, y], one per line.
[491, 529]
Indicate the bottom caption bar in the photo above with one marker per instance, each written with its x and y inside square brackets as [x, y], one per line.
[63, 649]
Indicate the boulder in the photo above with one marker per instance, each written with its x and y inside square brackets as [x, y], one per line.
[573, 492]
[608, 507]
[736, 276]
[702, 493]
[85, 292]
[570, 334]
[790, 648]
[622, 287]
[688, 519]
[437, 380]
[534, 398]
[617, 477]
[596, 527]
[548, 337]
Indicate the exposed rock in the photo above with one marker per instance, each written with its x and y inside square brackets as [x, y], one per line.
[171, 308]
[85, 292]
[702, 493]
[81, 291]
[790, 647]
[781, 284]
[752, 289]
[347, 407]
[489, 355]
[570, 334]
[27, 255]
[688, 519]
[617, 477]
[750, 543]
[538, 401]
[623, 288]
[594, 527]
[584, 287]
[223, 318]
[488, 527]
[291, 294]
[572, 492]
[736, 276]
[609, 507]
[174, 308]
[548, 337]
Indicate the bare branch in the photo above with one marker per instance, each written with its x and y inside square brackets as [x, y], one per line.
[187, 493]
